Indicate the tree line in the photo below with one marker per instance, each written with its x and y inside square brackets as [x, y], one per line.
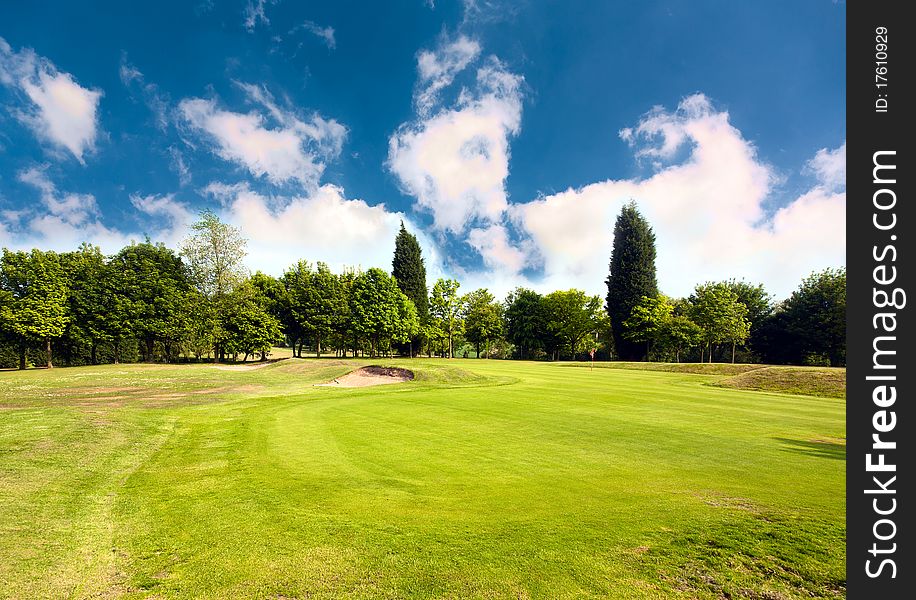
[151, 303]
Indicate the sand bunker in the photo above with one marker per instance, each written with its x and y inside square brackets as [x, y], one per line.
[367, 376]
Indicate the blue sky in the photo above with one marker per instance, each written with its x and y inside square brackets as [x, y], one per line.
[506, 135]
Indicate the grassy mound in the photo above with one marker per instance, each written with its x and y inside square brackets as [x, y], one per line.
[807, 381]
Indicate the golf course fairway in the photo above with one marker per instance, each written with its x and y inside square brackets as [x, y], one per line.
[477, 479]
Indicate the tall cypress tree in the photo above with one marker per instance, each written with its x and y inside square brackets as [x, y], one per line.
[632, 275]
[410, 272]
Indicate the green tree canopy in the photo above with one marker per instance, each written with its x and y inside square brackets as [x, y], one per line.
[483, 319]
[247, 326]
[648, 320]
[680, 333]
[91, 303]
[214, 252]
[154, 284]
[379, 309]
[573, 317]
[525, 322]
[816, 315]
[715, 307]
[447, 306]
[34, 306]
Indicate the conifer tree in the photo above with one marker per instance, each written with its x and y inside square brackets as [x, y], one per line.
[410, 272]
[632, 276]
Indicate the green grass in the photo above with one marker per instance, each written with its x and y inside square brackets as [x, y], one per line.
[809, 381]
[480, 479]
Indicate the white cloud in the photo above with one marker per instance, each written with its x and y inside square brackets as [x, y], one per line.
[326, 34]
[323, 226]
[707, 213]
[177, 163]
[57, 108]
[436, 69]
[174, 216]
[69, 208]
[830, 167]
[255, 12]
[61, 222]
[456, 162]
[499, 254]
[292, 150]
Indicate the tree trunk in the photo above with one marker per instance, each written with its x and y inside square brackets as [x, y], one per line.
[22, 353]
[677, 355]
[733, 352]
[488, 348]
[647, 350]
[92, 353]
[318, 347]
[117, 352]
[48, 350]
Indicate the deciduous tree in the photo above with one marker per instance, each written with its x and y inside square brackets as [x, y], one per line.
[34, 306]
[572, 317]
[716, 309]
[525, 321]
[446, 305]
[648, 320]
[482, 319]
[816, 315]
[154, 284]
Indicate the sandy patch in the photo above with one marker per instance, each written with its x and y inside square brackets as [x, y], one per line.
[367, 376]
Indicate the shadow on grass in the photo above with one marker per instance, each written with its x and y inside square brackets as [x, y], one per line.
[819, 448]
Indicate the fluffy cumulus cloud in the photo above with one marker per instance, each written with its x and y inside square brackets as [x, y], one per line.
[499, 254]
[172, 216]
[456, 161]
[60, 111]
[707, 210]
[63, 220]
[830, 167]
[269, 141]
[59, 221]
[323, 225]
